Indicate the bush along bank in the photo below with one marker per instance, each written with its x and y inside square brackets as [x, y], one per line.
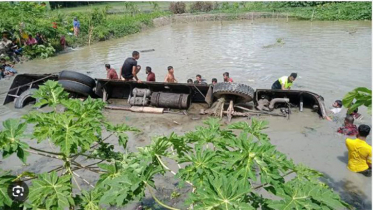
[56, 27]
[320, 10]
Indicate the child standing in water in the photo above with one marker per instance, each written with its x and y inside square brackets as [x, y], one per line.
[170, 78]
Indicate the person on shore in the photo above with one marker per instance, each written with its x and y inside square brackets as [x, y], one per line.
[227, 78]
[284, 83]
[214, 81]
[360, 152]
[170, 78]
[129, 69]
[349, 129]
[337, 107]
[39, 39]
[8, 47]
[76, 25]
[15, 51]
[5, 45]
[7, 70]
[151, 75]
[189, 81]
[31, 41]
[111, 73]
[63, 42]
[2, 75]
[3, 63]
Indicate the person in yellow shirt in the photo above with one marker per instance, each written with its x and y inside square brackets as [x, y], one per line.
[284, 83]
[360, 153]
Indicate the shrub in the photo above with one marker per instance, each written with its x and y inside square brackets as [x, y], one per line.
[39, 51]
[178, 7]
[202, 6]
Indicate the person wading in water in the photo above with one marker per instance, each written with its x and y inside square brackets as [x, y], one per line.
[111, 73]
[129, 68]
[360, 153]
[227, 78]
[284, 83]
[151, 75]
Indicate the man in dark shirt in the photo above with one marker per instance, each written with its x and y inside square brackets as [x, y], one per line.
[111, 73]
[151, 75]
[129, 68]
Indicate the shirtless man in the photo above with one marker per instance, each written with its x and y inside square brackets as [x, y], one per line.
[170, 78]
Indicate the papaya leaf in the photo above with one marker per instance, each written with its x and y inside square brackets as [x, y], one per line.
[5, 180]
[221, 192]
[50, 93]
[10, 139]
[51, 192]
[89, 200]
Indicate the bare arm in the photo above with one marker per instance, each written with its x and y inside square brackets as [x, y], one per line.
[175, 80]
[283, 87]
[166, 78]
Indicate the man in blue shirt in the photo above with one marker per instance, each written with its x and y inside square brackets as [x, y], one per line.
[76, 25]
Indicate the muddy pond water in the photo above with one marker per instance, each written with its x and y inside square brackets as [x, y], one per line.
[331, 58]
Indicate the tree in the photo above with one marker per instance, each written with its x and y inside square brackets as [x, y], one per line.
[360, 96]
[224, 166]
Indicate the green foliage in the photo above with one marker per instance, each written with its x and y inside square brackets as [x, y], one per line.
[298, 195]
[89, 200]
[155, 5]
[10, 139]
[96, 25]
[222, 192]
[5, 180]
[225, 166]
[360, 96]
[318, 10]
[51, 94]
[39, 51]
[51, 192]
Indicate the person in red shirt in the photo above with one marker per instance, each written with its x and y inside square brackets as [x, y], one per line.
[349, 128]
[30, 40]
[151, 75]
[111, 73]
[227, 78]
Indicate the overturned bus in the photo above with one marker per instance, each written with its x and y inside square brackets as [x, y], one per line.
[220, 99]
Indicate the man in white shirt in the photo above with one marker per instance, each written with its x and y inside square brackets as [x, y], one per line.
[337, 107]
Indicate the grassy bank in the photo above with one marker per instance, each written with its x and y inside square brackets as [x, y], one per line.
[301, 10]
[117, 19]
